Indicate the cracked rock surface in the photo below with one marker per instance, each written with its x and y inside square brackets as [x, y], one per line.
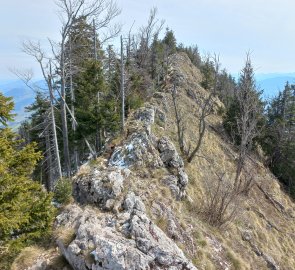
[129, 240]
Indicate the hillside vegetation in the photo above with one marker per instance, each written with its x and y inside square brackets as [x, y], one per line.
[153, 158]
[259, 235]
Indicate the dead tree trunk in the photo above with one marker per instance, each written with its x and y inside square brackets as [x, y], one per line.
[53, 123]
[48, 155]
[63, 111]
[122, 86]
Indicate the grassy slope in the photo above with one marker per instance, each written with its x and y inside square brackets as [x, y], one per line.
[272, 229]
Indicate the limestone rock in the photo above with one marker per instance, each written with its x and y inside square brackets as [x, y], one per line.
[132, 241]
[160, 117]
[271, 264]
[172, 182]
[168, 153]
[170, 157]
[146, 115]
[182, 178]
[133, 202]
[99, 186]
[138, 150]
[247, 236]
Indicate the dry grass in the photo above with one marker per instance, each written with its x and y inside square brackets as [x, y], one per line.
[220, 158]
[27, 258]
[162, 223]
[30, 255]
[83, 170]
[235, 262]
[66, 235]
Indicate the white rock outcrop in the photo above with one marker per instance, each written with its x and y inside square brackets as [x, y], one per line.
[129, 240]
[100, 186]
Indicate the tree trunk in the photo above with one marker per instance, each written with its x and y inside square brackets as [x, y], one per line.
[56, 147]
[50, 177]
[65, 135]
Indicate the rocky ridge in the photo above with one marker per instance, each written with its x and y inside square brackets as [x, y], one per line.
[124, 237]
[141, 207]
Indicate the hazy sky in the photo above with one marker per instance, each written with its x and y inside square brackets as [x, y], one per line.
[227, 27]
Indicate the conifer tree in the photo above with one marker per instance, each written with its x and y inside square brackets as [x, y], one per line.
[244, 118]
[6, 107]
[279, 137]
[96, 107]
[25, 208]
[207, 70]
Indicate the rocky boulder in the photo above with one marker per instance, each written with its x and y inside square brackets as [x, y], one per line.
[139, 147]
[168, 153]
[170, 157]
[138, 150]
[142, 148]
[146, 115]
[100, 187]
[129, 240]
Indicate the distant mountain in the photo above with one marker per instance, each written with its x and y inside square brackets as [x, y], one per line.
[272, 86]
[271, 83]
[22, 96]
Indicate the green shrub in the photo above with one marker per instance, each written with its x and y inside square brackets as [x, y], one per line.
[63, 191]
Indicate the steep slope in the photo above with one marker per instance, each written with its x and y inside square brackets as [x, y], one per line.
[142, 207]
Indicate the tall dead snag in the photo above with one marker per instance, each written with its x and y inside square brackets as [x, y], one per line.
[146, 35]
[122, 86]
[247, 117]
[35, 50]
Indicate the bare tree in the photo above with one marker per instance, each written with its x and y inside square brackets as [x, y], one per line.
[221, 201]
[146, 34]
[248, 115]
[179, 121]
[122, 85]
[35, 50]
[205, 109]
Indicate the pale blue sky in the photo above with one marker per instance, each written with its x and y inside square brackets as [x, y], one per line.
[227, 27]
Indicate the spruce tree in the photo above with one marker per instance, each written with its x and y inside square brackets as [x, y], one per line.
[26, 213]
[279, 137]
[6, 106]
[96, 106]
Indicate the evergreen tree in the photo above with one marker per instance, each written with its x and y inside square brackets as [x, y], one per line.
[96, 109]
[157, 60]
[243, 120]
[207, 70]
[39, 129]
[169, 42]
[6, 107]
[279, 137]
[226, 87]
[25, 209]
